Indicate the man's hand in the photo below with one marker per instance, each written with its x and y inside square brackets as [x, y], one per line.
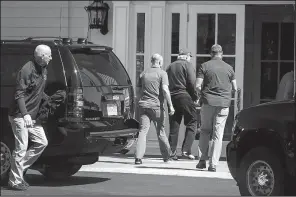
[196, 103]
[28, 121]
[171, 111]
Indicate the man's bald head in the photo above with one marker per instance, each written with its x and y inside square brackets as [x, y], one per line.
[42, 54]
[157, 59]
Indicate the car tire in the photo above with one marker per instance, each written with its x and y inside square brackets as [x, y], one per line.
[6, 150]
[261, 173]
[60, 171]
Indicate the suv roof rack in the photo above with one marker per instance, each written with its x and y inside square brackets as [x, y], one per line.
[42, 38]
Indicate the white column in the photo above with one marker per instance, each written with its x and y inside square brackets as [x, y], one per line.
[157, 27]
[121, 30]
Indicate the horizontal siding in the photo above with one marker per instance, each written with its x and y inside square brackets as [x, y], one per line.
[47, 31]
[20, 19]
[35, 4]
[43, 22]
[45, 12]
[42, 4]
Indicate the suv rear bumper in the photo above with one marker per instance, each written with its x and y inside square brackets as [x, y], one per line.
[231, 157]
[81, 141]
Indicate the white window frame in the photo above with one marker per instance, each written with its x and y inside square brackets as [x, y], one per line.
[239, 10]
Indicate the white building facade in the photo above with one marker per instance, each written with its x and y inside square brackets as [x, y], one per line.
[257, 36]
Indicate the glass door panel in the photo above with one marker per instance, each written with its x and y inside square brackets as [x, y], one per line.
[210, 25]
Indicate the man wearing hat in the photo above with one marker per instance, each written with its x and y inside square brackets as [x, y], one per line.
[218, 81]
[182, 77]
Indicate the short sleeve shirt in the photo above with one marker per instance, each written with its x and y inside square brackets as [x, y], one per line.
[151, 81]
[217, 87]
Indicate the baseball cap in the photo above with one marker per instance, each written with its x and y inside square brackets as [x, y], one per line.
[216, 48]
[185, 52]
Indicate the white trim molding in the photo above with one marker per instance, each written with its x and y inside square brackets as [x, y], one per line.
[121, 17]
[157, 18]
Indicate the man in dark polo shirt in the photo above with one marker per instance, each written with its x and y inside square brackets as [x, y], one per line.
[154, 82]
[182, 77]
[30, 84]
[218, 79]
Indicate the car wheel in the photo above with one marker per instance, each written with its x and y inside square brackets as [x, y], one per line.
[5, 161]
[60, 171]
[261, 174]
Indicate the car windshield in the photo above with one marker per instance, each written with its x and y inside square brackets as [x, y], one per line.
[100, 68]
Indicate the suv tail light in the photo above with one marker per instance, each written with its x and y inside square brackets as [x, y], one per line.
[75, 105]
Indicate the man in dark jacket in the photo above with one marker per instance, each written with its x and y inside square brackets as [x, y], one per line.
[182, 77]
[30, 85]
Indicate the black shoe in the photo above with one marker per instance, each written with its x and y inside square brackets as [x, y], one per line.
[18, 187]
[138, 161]
[174, 157]
[212, 168]
[201, 164]
[167, 160]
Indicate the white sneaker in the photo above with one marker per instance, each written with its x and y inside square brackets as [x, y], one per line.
[188, 156]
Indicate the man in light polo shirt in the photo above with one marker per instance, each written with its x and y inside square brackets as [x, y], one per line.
[286, 87]
[154, 82]
[218, 81]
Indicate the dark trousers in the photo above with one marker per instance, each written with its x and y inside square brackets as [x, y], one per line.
[184, 106]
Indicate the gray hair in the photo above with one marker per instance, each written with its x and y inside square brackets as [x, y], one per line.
[40, 50]
[156, 57]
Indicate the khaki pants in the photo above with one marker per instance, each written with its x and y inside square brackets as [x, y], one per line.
[22, 158]
[213, 120]
[157, 116]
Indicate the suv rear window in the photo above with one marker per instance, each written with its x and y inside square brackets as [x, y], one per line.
[100, 68]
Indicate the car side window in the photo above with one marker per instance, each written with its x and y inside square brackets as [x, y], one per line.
[55, 74]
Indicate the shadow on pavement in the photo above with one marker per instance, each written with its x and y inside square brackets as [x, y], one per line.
[41, 181]
[172, 168]
[128, 155]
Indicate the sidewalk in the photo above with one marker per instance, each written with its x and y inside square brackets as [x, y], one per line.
[155, 166]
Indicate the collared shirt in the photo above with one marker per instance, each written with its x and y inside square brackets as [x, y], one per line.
[217, 87]
[286, 87]
[29, 90]
[151, 81]
[182, 77]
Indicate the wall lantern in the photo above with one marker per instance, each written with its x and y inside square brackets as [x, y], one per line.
[98, 16]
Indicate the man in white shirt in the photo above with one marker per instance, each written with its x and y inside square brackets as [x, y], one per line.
[286, 87]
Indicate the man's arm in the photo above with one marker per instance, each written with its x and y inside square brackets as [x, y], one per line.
[166, 91]
[22, 83]
[21, 86]
[191, 80]
[234, 86]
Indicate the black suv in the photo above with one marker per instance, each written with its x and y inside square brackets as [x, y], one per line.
[262, 153]
[97, 115]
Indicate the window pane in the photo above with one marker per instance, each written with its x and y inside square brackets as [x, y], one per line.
[205, 33]
[174, 58]
[175, 33]
[226, 32]
[285, 67]
[270, 34]
[140, 32]
[269, 74]
[140, 67]
[230, 61]
[287, 41]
